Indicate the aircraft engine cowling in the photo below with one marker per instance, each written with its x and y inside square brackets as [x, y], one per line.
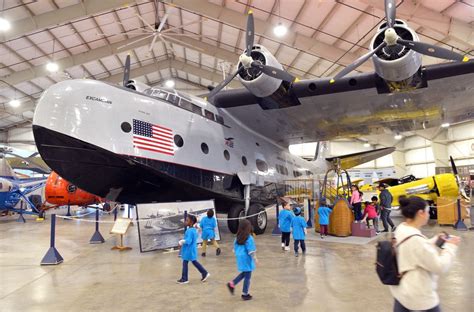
[396, 63]
[254, 80]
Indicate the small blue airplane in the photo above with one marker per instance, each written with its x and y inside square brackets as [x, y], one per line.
[13, 190]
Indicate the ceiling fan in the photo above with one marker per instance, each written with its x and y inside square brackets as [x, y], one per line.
[158, 32]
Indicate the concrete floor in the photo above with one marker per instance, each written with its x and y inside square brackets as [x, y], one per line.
[331, 277]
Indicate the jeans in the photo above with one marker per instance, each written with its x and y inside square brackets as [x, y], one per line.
[397, 307]
[375, 221]
[285, 238]
[302, 244]
[198, 266]
[246, 277]
[204, 244]
[323, 229]
[385, 216]
[357, 211]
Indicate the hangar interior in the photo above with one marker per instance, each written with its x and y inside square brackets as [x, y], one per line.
[46, 42]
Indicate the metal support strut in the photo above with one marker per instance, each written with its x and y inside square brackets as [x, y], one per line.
[247, 198]
[52, 255]
[97, 238]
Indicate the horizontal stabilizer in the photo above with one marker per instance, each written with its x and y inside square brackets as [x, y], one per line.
[352, 160]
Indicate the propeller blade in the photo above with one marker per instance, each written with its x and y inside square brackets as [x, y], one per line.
[162, 23]
[432, 50]
[358, 62]
[250, 33]
[224, 83]
[390, 12]
[126, 71]
[273, 71]
[453, 166]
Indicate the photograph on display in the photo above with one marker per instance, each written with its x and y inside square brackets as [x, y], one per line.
[161, 225]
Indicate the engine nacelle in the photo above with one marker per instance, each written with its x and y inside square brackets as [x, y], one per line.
[255, 81]
[136, 85]
[396, 63]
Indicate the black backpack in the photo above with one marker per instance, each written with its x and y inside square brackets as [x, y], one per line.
[386, 265]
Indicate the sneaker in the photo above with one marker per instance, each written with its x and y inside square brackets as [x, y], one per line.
[182, 281]
[304, 253]
[296, 254]
[203, 254]
[246, 297]
[322, 236]
[218, 251]
[282, 246]
[393, 228]
[230, 288]
[287, 248]
[385, 231]
[204, 278]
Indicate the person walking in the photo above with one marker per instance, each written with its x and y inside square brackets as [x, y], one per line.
[386, 207]
[284, 219]
[208, 226]
[420, 260]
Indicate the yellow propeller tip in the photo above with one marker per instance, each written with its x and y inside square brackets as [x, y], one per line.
[332, 81]
[205, 98]
[250, 12]
[296, 79]
[465, 59]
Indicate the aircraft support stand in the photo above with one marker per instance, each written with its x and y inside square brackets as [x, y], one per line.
[115, 213]
[97, 238]
[20, 217]
[68, 214]
[52, 255]
[309, 224]
[247, 198]
[121, 247]
[276, 230]
[460, 226]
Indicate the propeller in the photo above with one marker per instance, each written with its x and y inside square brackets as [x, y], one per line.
[126, 71]
[248, 62]
[392, 39]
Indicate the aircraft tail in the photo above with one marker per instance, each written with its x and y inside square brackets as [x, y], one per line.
[5, 170]
[352, 160]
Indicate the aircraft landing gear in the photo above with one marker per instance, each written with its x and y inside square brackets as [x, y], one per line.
[236, 211]
[259, 221]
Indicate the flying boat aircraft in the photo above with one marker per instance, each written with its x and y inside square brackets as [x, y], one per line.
[137, 144]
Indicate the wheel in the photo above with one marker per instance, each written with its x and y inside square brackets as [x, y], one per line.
[259, 222]
[236, 211]
[36, 201]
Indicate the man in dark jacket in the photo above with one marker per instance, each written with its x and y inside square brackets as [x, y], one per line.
[386, 207]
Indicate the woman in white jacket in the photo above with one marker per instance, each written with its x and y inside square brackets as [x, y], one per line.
[419, 259]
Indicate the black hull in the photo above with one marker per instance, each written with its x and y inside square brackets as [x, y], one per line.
[133, 180]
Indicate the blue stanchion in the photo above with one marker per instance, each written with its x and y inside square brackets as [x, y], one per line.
[309, 224]
[20, 217]
[97, 238]
[276, 230]
[460, 226]
[52, 256]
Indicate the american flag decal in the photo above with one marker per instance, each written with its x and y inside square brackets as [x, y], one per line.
[153, 138]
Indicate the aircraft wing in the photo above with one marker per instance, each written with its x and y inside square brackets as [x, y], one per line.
[357, 105]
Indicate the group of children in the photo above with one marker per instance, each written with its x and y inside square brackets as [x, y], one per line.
[244, 249]
[289, 221]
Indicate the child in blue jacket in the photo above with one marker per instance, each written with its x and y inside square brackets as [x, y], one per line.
[245, 254]
[298, 225]
[189, 251]
[208, 225]
[284, 222]
[323, 213]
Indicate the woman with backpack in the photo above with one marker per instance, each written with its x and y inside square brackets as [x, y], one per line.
[420, 260]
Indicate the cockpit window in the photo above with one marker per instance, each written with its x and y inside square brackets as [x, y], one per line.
[173, 99]
[197, 109]
[186, 105]
[208, 114]
[220, 119]
[160, 94]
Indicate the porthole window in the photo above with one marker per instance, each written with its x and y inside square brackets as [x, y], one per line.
[126, 127]
[204, 148]
[262, 165]
[244, 160]
[178, 140]
[226, 155]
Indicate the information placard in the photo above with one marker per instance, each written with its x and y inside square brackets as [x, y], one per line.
[121, 226]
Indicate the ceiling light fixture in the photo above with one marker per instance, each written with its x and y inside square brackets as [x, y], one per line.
[4, 24]
[52, 67]
[445, 125]
[169, 83]
[280, 30]
[398, 137]
[14, 103]
[366, 144]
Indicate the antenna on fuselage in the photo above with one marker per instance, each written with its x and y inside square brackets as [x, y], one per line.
[126, 71]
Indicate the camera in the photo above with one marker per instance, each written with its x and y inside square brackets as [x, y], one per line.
[440, 241]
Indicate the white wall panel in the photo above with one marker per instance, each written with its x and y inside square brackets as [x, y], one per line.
[420, 155]
[461, 132]
[415, 142]
[385, 161]
[421, 171]
[461, 149]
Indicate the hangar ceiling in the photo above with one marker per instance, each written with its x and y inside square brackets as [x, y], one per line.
[323, 37]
